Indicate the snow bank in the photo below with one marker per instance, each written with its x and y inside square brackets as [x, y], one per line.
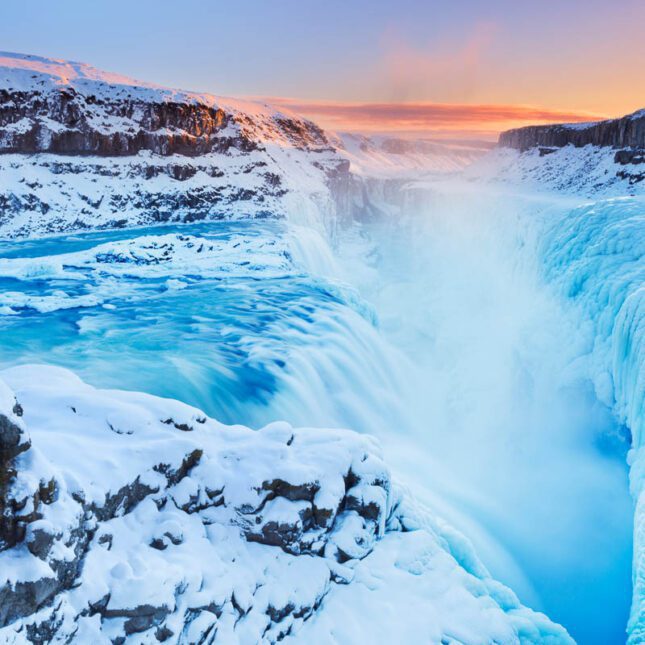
[590, 171]
[147, 520]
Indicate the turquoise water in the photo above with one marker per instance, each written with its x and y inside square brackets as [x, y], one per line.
[459, 380]
[227, 345]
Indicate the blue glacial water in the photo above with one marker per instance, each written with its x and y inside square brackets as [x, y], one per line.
[474, 378]
[230, 346]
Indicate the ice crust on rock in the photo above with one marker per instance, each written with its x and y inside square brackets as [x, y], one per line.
[162, 524]
[596, 258]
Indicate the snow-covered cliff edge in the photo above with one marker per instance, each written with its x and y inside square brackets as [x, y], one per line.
[174, 528]
[85, 149]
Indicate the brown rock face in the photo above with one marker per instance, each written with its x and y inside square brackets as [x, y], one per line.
[69, 123]
[65, 122]
[13, 442]
[628, 131]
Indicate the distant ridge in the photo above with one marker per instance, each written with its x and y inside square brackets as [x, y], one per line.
[624, 132]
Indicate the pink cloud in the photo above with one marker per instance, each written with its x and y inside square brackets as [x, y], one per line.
[411, 71]
[425, 116]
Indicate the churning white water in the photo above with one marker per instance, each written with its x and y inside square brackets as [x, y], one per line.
[443, 332]
[509, 438]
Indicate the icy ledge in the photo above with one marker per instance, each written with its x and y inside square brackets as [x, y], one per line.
[129, 518]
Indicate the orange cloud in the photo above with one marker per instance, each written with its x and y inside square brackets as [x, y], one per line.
[486, 120]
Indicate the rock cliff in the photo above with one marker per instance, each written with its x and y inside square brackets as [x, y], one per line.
[81, 148]
[70, 108]
[626, 132]
[85, 149]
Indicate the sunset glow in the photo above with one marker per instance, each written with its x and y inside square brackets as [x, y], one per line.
[435, 119]
[467, 69]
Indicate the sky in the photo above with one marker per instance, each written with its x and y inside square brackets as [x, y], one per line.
[458, 68]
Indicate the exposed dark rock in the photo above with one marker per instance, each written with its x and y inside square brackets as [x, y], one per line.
[159, 544]
[174, 476]
[24, 598]
[633, 156]
[313, 524]
[163, 634]
[281, 534]
[68, 122]
[139, 619]
[207, 633]
[631, 177]
[278, 614]
[626, 132]
[40, 540]
[123, 501]
[13, 440]
[184, 427]
[44, 631]
[83, 125]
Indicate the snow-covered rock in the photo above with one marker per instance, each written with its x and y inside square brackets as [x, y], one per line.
[589, 171]
[627, 131]
[86, 149]
[142, 520]
[71, 108]
[114, 152]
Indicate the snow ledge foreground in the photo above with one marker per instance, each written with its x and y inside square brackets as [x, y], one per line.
[129, 518]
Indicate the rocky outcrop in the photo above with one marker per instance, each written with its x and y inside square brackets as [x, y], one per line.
[82, 149]
[174, 528]
[66, 122]
[54, 106]
[626, 132]
[332, 505]
[47, 194]
[13, 442]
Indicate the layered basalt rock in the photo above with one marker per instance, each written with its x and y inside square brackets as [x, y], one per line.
[66, 122]
[626, 132]
[328, 500]
[67, 108]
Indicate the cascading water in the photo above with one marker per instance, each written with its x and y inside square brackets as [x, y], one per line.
[480, 377]
[515, 437]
